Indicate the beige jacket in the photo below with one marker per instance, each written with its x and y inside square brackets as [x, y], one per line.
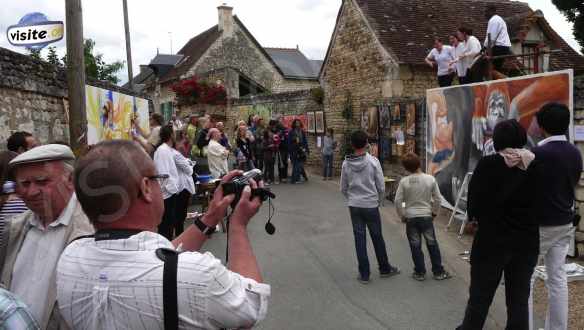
[17, 229]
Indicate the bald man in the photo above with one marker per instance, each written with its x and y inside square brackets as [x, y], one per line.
[119, 189]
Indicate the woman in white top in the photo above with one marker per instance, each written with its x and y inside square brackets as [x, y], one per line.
[186, 184]
[164, 160]
[458, 47]
[440, 57]
[472, 48]
[217, 154]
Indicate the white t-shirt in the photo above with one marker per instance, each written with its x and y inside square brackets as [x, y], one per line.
[498, 30]
[472, 47]
[442, 59]
[164, 162]
[459, 66]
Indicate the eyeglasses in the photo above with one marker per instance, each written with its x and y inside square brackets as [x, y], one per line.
[161, 178]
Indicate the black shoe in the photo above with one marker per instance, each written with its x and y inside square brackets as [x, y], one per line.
[363, 280]
[419, 276]
[392, 272]
[442, 276]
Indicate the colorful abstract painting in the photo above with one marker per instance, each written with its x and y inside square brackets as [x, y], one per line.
[461, 119]
[109, 114]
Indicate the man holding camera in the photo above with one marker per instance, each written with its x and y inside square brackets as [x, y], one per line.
[118, 279]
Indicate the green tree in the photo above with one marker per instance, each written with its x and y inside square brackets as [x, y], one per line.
[53, 58]
[35, 53]
[574, 12]
[96, 67]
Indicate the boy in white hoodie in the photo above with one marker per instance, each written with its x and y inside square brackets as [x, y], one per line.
[417, 201]
[363, 186]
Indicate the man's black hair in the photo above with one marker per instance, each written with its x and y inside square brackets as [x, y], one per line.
[165, 134]
[358, 139]
[509, 134]
[554, 118]
[17, 140]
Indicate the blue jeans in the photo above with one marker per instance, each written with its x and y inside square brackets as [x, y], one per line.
[368, 218]
[415, 229]
[297, 167]
[327, 163]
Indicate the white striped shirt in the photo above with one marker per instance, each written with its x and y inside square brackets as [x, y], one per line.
[117, 284]
[184, 167]
[12, 207]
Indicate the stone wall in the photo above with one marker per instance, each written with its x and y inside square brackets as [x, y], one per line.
[239, 52]
[579, 120]
[33, 97]
[355, 73]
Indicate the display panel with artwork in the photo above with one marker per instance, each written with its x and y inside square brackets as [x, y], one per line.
[311, 122]
[461, 120]
[110, 114]
[319, 122]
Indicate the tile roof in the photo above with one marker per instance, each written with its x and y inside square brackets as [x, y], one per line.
[407, 28]
[143, 77]
[166, 59]
[293, 63]
[192, 52]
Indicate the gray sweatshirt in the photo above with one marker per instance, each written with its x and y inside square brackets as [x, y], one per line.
[362, 181]
[417, 195]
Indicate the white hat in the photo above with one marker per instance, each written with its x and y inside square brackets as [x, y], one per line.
[44, 153]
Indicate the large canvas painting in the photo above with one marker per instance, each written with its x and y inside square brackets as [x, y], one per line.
[461, 119]
[110, 114]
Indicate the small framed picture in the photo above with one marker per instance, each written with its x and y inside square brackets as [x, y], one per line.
[311, 122]
[319, 122]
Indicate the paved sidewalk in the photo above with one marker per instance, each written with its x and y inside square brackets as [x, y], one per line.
[311, 265]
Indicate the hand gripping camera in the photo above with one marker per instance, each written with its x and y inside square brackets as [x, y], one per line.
[237, 185]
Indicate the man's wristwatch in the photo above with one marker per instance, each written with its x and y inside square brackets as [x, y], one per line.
[206, 230]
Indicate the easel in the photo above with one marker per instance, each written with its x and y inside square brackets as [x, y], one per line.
[457, 212]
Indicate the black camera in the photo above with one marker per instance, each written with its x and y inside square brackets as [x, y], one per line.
[236, 186]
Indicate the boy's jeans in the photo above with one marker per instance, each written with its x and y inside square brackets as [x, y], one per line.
[415, 229]
[327, 166]
[368, 218]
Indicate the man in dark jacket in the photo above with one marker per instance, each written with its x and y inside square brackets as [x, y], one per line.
[561, 167]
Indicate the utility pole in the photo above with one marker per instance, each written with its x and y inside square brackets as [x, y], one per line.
[128, 47]
[76, 76]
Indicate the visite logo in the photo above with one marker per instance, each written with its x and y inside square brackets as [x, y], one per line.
[35, 31]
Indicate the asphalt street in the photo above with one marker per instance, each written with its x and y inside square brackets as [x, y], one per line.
[311, 266]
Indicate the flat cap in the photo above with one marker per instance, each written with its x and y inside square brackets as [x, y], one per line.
[44, 153]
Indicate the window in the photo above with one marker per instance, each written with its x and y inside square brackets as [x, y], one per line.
[166, 110]
[534, 62]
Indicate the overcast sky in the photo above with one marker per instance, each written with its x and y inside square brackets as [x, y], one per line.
[153, 23]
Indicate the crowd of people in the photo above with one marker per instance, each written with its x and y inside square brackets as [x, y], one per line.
[457, 59]
[521, 203]
[76, 232]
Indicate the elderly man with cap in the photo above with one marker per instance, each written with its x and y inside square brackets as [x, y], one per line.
[129, 277]
[35, 239]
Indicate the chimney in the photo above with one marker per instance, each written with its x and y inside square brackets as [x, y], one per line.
[226, 20]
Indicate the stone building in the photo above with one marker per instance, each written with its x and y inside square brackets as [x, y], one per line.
[229, 55]
[378, 48]
[33, 98]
